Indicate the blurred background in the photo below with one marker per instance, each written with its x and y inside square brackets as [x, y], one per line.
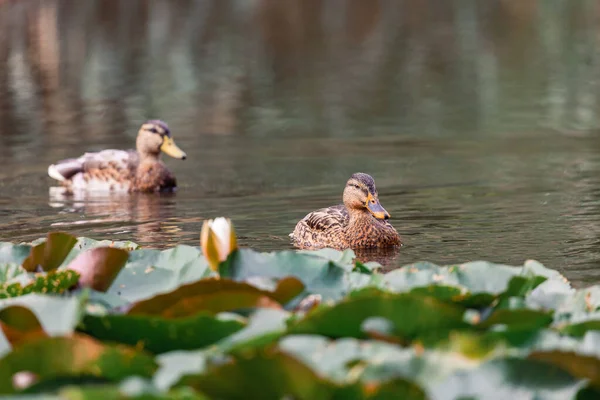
[478, 119]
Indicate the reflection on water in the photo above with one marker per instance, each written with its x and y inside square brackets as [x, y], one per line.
[144, 218]
[478, 120]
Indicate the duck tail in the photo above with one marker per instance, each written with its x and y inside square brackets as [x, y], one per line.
[54, 174]
[65, 169]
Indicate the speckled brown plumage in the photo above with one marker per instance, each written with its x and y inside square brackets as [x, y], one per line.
[348, 225]
[152, 177]
[139, 170]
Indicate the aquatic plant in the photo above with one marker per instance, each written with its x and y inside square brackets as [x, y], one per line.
[303, 325]
[217, 240]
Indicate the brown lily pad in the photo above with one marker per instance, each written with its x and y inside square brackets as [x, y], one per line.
[216, 295]
[50, 254]
[99, 267]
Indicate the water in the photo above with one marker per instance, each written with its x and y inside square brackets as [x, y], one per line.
[479, 122]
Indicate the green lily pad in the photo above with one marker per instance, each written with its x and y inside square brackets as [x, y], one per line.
[456, 295]
[474, 277]
[398, 388]
[159, 335]
[20, 324]
[265, 326]
[550, 295]
[412, 315]
[108, 392]
[521, 286]
[588, 393]
[149, 272]
[262, 375]
[183, 260]
[319, 275]
[57, 315]
[581, 328]
[578, 365]
[175, 364]
[13, 253]
[474, 330]
[20, 318]
[508, 378]
[60, 357]
[347, 359]
[523, 318]
[339, 256]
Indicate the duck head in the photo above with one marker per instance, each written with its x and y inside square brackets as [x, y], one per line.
[360, 193]
[154, 136]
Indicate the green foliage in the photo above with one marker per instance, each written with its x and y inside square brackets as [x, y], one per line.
[73, 358]
[153, 324]
[54, 282]
[411, 316]
[158, 334]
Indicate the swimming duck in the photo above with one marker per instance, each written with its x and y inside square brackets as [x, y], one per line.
[139, 170]
[361, 222]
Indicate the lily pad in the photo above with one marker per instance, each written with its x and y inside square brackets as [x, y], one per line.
[216, 295]
[265, 326]
[60, 357]
[581, 328]
[9, 271]
[285, 375]
[20, 324]
[348, 359]
[578, 365]
[98, 267]
[319, 275]
[313, 324]
[149, 272]
[508, 378]
[176, 364]
[13, 253]
[588, 393]
[56, 315]
[56, 282]
[339, 256]
[522, 319]
[159, 335]
[456, 295]
[51, 253]
[412, 315]
[398, 388]
[104, 392]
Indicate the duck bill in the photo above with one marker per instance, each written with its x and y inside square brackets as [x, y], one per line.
[375, 208]
[169, 147]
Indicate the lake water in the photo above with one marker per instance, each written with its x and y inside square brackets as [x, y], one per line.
[478, 120]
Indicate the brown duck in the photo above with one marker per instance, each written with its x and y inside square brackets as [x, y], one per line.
[139, 170]
[361, 222]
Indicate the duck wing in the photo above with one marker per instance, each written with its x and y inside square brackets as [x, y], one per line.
[103, 167]
[321, 228]
[327, 219]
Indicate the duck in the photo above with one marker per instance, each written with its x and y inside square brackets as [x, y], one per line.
[360, 222]
[139, 170]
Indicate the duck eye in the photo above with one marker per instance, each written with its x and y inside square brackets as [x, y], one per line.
[153, 130]
[356, 186]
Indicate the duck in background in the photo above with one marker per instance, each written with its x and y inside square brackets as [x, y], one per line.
[139, 170]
